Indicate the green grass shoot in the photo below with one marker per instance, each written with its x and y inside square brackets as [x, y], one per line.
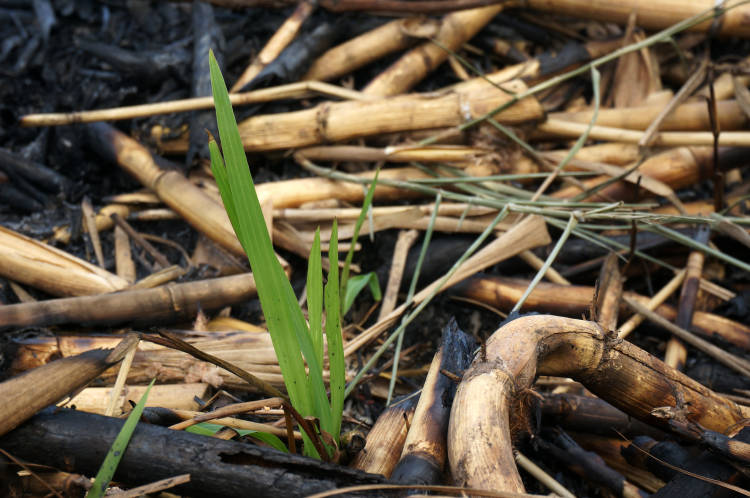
[299, 347]
[114, 455]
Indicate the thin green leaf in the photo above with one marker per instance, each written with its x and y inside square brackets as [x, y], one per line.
[315, 297]
[114, 455]
[356, 284]
[336, 364]
[357, 226]
[209, 429]
[286, 324]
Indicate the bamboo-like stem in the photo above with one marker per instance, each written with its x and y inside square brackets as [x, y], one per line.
[330, 122]
[655, 15]
[691, 116]
[24, 395]
[368, 47]
[455, 29]
[503, 293]
[171, 302]
[39, 265]
[665, 138]
[479, 439]
[293, 90]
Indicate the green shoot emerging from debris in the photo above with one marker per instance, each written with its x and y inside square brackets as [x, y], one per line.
[299, 347]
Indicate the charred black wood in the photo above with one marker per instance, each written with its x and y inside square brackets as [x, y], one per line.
[592, 415]
[13, 198]
[638, 451]
[586, 464]
[207, 36]
[706, 465]
[76, 441]
[45, 17]
[423, 458]
[717, 377]
[144, 67]
[295, 60]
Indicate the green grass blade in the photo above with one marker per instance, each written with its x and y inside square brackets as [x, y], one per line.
[336, 364]
[286, 324]
[114, 455]
[357, 226]
[356, 284]
[315, 297]
[209, 429]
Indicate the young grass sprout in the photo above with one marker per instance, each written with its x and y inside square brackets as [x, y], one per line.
[299, 347]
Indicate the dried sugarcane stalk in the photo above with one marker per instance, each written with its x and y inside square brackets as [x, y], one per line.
[676, 352]
[423, 457]
[176, 396]
[39, 265]
[368, 47]
[678, 168]
[655, 15]
[479, 439]
[456, 29]
[608, 294]
[194, 205]
[330, 122]
[28, 393]
[386, 438]
[691, 116]
[170, 302]
[503, 293]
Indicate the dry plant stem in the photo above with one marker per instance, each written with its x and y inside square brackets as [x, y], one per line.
[456, 29]
[123, 257]
[479, 439]
[536, 263]
[89, 219]
[685, 91]
[566, 129]
[691, 116]
[331, 122]
[171, 302]
[653, 15]
[122, 376]
[39, 265]
[386, 438]
[193, 204]
[735, 363]
[235, 423]
[404, 242]
[606, 303]
[368, 47]
[423, 458]
[292, 90]
[429, 154]
[24, 395]
[573, 300]
[226, 411]
[276, 44]
[103, 221]
[677, 168]
[154, 487]
[676, 353]
[174, 396]
[541, 476]
[657, 300]
[528, 234]
[162, 261]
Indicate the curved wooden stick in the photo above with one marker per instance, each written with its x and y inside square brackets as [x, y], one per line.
[479, 437]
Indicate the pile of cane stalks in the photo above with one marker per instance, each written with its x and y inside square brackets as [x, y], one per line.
[518, 150]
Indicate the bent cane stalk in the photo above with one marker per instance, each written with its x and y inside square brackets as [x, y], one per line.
[479, 439]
